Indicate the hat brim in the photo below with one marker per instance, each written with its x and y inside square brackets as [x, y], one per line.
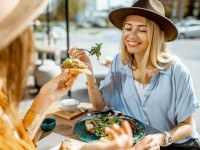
[117, 17]
[19, 19]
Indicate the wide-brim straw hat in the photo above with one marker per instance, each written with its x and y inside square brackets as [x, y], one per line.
[151, 9]
[16, 16]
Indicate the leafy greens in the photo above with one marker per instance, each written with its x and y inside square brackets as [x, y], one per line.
[95, 50]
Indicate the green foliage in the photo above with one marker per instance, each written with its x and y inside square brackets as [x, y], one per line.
[59, 14]
[75, 6]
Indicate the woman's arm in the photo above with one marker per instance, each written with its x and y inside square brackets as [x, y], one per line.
[95, 95]
[49, 93]
[178, 133]
[182, 130]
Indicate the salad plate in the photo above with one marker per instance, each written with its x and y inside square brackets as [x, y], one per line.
[82, 133]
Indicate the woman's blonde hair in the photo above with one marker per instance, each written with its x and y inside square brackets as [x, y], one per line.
[15, 59]
[156, 54]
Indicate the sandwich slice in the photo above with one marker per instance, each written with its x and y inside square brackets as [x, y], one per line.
[75, 66]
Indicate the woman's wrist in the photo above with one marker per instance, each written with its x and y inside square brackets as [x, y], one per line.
[41, 104]
[91, 79]
[31, 123]
[92, 86]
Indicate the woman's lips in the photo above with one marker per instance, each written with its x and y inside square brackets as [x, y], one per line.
[133, 44]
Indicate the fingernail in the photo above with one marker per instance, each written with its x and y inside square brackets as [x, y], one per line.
[107, 129]
[116, 125]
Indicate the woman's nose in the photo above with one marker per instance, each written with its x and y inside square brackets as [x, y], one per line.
[133, 33]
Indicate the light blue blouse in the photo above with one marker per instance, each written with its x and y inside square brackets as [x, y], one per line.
[170, 98]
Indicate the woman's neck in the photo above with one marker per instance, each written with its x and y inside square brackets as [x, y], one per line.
[150, 71]
[138, 59]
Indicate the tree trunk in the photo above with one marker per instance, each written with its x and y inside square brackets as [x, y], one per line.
[181, 10]
[174, 10]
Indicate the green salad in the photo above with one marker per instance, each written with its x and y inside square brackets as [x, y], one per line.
[99, 122]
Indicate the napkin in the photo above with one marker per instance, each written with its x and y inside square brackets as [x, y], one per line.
[53, 142]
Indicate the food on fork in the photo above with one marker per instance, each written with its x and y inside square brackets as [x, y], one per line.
[75, 66]
[95, 50]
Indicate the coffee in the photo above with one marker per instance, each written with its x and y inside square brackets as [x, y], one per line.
[70, 105]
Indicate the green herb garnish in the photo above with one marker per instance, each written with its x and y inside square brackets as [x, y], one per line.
[95, 50]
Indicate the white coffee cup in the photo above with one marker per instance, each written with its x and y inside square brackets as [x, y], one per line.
[70, 105]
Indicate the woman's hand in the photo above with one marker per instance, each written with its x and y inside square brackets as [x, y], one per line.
[121, 136]
[58, 86]
[149, 142]
[50, 92]
[75, 53]
[122, 139]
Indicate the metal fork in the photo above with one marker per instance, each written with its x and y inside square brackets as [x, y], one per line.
[83, 49]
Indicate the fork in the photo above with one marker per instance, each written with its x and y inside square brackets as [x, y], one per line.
[83, 49]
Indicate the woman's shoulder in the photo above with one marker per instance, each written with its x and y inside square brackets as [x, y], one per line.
[179, 67]
[117, 60]
[117, 57]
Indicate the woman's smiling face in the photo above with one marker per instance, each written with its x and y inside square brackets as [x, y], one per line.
[135, 34]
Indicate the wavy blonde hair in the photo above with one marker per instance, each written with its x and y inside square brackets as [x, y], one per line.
[15, 60]
[157, 53]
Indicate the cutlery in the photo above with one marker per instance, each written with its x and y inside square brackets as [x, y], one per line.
[81, 110]
[83, 49]
[89, 114]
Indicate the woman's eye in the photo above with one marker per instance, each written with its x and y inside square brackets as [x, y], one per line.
[142, 30]
[128, 29]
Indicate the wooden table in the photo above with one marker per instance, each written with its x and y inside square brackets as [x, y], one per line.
[63, 126]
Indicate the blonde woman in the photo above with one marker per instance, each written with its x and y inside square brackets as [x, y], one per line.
[145, 81]
[16, 48]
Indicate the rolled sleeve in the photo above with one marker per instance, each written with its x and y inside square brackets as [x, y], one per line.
[186, 102]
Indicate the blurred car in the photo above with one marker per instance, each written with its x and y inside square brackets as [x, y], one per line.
[99, 22]
[188, 29]
[83, 24]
